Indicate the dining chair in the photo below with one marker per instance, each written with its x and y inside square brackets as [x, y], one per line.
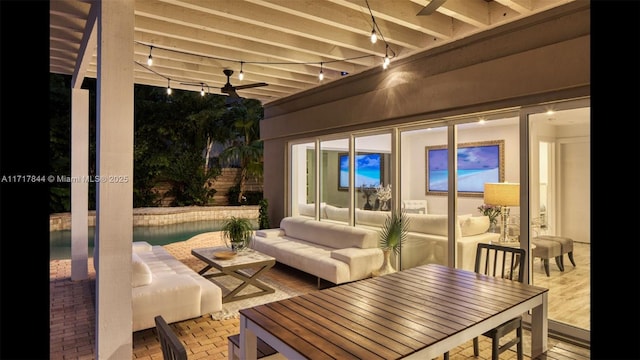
[172, 347]
[506, 262]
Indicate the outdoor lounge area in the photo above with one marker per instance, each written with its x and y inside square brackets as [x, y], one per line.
[72, 326]
[412, 116]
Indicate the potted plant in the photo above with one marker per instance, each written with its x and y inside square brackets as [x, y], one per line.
[238, 232]
[392, 235]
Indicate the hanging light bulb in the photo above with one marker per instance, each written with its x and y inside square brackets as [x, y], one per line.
[150, 58]
[168, 86]
[241, 74]
[386, 61]
[202, 90]
[320, 75]
[374, 36]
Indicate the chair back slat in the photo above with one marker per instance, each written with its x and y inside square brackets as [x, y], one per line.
[502, 261]
[172, 347]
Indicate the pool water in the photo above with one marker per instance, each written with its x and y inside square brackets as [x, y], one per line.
[60, 241]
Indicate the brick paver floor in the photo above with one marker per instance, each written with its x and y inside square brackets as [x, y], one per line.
[72, 314]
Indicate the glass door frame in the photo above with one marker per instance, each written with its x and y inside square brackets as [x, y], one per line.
[565, 330]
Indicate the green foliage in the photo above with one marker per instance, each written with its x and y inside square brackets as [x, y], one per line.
[238, 231]
[59, 141]
[245, 149]
[263, 217]
[394, 232]
[171, 138]
[189, 180]
[171, 134]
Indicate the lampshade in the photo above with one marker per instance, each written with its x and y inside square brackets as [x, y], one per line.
[503, 194]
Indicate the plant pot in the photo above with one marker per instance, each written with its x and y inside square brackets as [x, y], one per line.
[386, 267]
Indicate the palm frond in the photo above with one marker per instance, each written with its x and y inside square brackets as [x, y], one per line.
[394, 232]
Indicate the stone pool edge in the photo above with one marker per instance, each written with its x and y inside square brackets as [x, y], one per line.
[153, 216]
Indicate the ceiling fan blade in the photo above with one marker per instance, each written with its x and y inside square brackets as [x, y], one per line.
[240, 87]
[431, 7]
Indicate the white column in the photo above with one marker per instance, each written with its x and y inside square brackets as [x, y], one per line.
[114, 205]
[79, 187]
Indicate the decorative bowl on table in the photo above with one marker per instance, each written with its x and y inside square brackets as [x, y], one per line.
[224, 255]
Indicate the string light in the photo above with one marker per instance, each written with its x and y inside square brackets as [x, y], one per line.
[386, 61]
[150, 58]
[374, 37]
[374, 34]
[168, 86]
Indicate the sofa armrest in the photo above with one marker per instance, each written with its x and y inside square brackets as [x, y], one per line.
[361, 261]
[140, 246]
[270, 233]
[174, 296]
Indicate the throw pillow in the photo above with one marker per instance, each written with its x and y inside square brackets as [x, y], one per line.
[475, 225]
[140, 272]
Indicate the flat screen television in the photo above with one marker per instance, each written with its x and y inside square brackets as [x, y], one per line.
[368, 170]
[478, 163]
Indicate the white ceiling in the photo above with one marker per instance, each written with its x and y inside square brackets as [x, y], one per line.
[281, 42]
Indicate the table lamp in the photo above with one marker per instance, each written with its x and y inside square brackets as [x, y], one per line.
[503, 195]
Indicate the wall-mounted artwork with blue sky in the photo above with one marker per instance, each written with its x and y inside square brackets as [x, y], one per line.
[368, 170]
[478, 163]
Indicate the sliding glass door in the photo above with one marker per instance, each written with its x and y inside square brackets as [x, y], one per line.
[559, 209]
[338, 179]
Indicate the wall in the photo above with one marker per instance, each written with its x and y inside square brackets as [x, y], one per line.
[541, 58]
[165, 215]
[229, 177]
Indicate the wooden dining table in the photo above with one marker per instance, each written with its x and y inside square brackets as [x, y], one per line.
[418, 313]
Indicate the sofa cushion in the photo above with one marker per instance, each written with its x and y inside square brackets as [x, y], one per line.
[371, 218]
[336, 213]
[328, 234]
[435, 224]
[475, 225]
[140, 272]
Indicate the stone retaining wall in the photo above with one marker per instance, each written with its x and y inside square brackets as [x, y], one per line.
[166, 215]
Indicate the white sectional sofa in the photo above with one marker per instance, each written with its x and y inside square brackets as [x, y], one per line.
[427, 238]
[334, 252]
[162, 285]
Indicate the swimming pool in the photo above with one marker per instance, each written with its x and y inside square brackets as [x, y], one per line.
[60, 240]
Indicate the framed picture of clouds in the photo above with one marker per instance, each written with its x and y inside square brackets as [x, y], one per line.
[478, 163]
[369, 169]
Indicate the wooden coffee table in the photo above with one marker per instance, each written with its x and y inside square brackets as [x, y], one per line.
[236, 267]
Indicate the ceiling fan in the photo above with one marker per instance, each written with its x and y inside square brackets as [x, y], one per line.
[431, 7]
[231, 90]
